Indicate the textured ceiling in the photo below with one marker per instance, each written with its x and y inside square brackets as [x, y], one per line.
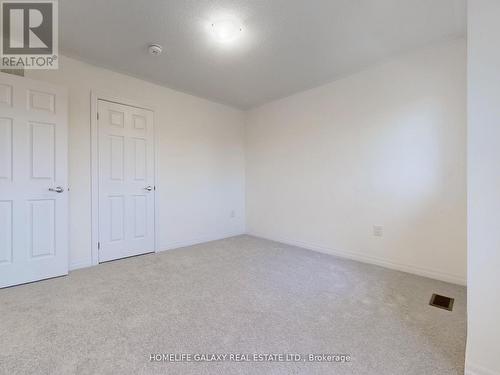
[286, 46]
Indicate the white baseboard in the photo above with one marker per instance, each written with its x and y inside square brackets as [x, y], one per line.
[433, 274]
[80, 264]
[472, 369]
[169, 246]
[199, 240]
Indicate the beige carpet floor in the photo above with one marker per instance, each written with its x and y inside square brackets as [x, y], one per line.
[241, 295]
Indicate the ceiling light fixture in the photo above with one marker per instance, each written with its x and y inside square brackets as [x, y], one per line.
[226, 31]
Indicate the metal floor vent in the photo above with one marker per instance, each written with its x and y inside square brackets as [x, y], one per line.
[442, 302]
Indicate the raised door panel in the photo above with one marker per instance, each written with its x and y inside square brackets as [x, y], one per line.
[117, 158]
[6, 91]
[140, 159]
[140, 216]
[6, 227]
[6, 143]
[116, 118]
[139, 122]
[42, 224]
[116, 218]
[41, 101]
[42, 140]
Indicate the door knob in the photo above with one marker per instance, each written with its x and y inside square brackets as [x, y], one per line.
[57, 189]
[148, 188]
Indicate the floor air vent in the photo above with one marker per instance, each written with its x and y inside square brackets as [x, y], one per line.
[442, 302]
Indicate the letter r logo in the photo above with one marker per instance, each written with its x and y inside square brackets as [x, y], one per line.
[27, 28]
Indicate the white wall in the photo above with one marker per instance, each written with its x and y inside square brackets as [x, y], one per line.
[385, 146]
[201, 158]
[382, 147]
[483, 342]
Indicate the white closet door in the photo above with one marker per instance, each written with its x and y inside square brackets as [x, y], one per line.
[33, 180]
[126, 181]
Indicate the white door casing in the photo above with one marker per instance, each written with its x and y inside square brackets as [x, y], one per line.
[126, 176]
[33, 159]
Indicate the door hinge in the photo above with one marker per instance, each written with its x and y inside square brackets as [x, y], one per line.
[98, 115]
[98, 246]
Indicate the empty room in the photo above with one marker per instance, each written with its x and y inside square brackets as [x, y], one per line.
[250, 187]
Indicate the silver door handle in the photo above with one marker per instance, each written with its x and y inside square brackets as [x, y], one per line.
[148, 188]
[57, 189]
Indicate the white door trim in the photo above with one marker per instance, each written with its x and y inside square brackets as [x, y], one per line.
[95, 96]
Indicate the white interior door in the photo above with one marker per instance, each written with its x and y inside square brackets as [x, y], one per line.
[33, 181]
[126, 181]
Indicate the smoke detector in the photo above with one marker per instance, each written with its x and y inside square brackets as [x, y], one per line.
[155, 49]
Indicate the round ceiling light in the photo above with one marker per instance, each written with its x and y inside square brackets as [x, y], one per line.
[226, 31]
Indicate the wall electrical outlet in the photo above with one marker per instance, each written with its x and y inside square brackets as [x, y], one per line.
[378, 230]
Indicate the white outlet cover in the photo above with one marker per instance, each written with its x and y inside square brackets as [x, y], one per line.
[378, 230]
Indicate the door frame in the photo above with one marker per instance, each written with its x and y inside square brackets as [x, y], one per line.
[95, 96]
